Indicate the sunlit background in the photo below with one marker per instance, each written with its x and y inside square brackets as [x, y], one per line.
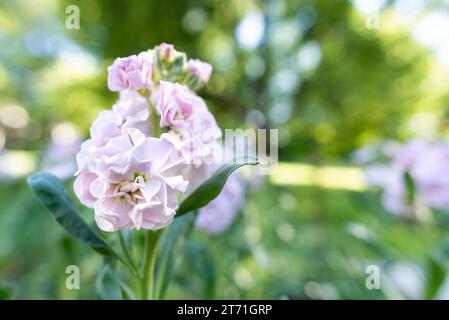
[331, 75]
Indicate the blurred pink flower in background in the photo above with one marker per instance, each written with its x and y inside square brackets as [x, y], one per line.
[428, 165]
[59, 160]
[132, 73]
[373, 153]
[430, 170]
[218, 215]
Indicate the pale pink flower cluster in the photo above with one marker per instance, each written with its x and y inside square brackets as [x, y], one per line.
[124, 173]
[131, 175]
[427, 164]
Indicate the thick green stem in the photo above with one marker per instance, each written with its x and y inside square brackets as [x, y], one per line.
[128, 266]
[128, 257]
[156, 130]
[147, 284]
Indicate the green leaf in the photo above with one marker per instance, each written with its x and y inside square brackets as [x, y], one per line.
[180, 63]
[50, 191]
[212, 187]
[410, 187]
[172, 240]
[107, 284]
[369, 239]
[436, 274]
[6, 291]
[127, 293]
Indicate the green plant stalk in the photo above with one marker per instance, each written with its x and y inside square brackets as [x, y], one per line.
[155, 123]
[155, 126]
[128, 266]
[163, 273]
[166, 265]
[127, 256]
[147, 281]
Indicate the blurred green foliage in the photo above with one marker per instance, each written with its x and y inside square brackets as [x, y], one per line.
[319, 75]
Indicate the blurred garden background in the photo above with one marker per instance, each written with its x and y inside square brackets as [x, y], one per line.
[332, 76]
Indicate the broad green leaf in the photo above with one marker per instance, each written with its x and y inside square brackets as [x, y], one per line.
[212, 187]
[172, 239]
[50, 191]
[107, 284]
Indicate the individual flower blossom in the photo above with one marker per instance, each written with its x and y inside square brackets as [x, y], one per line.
[133, 184]
[198, 174]
[193, 129]
[166, 51]
[175, 105]
[131, 73]
[218, 215]
[105, 127]
[170, 64]
[200, 69]
[130, 111]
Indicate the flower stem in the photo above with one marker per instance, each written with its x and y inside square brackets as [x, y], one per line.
[155, 123]
[125, 250]
[126, 263]
[147, 284]
[154, 118]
